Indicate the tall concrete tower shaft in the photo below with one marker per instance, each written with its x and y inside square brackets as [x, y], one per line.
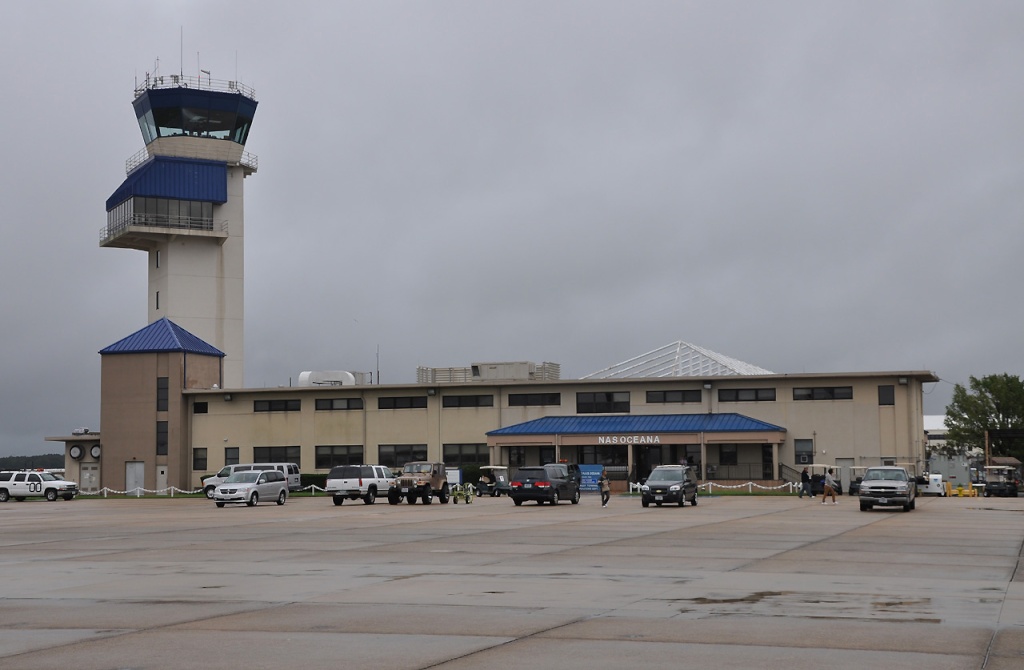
[182, 203]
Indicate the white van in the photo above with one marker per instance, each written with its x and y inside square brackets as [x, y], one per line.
[289, 470]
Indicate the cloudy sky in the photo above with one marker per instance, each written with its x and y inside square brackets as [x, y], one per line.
[806, 186]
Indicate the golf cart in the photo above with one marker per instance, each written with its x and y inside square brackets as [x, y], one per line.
[817, 472]
[856, 474]
[493, 481]
[1001, 480]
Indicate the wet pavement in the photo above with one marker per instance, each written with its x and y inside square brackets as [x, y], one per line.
[734, 582]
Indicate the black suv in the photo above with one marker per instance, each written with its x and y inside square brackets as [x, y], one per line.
[546, 483]
[669, 484]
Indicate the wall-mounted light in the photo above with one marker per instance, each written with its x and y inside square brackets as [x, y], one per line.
[227, 396]
[431, 391]
[902, 381]
[707, 385]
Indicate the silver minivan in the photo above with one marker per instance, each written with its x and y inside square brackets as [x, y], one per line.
[252, 486]
[289, 470]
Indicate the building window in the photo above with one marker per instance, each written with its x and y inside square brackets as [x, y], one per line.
[459, 455]
[402, 402]
[746, 395]
[604, 454]
[339, 403]
[467, 401]
[534, 399]
[727, 454]
[276, 406]
[328, 456]
[682, 396]
[161, 394]
[231, 456]
[887, 394]
[200, 408]
[517, 456]
[804, 451]
[161, 438]
[156, 257]
[602, 402]
[824, 393]
[199, 459]
[158, 300]
[277, 455]
[397, 455]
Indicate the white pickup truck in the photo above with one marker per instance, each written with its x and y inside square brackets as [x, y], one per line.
[358, 481]
[887, 486]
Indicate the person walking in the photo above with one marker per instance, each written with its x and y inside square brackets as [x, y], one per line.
[830, 488]
[805, 484]
[606, 488]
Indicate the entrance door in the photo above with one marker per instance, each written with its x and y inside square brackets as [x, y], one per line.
[134, 477]
[90, 476]
[844, 465]
[161, 480]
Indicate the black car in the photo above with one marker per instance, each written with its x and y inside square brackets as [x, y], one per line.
[672, 484]
[545, 484]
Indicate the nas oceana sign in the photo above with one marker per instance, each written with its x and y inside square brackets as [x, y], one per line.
[629, 439]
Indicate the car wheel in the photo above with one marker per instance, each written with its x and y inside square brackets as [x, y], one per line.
[694, 501]
[576, 497]
[370, 497]
[4, 495]
[864, 507]
[19, 498]
[427, 497]
[517, 501]
[51, 495]
[253, 499]
[209, 492]
[282, 497]
[69, 497]
[394, 499]
[682, 499]
[445, 495]
[338, 500]
[645, 503]
[913, 504]
[411, 498]
[220, 503]
[554, 498]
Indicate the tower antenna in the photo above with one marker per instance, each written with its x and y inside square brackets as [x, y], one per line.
[181, 51]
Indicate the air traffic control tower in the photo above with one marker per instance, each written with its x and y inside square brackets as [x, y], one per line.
[182, 204]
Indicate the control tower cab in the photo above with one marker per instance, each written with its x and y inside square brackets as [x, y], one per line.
[182, 204]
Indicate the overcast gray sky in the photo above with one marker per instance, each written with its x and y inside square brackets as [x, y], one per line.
[805, 186]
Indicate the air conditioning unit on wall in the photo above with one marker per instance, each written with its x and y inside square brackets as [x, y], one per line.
[803, 459]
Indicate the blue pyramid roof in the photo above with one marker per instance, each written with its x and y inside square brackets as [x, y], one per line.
[160, 337]
[658, 423]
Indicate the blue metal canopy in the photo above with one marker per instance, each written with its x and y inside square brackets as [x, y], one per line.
[660, 423]
[160, 337]
[175, 179]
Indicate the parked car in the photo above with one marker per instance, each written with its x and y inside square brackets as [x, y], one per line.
[420, 480]
[358, 481]
[251, 486]
[21, 484]
[673, 484]
[290, 470]
[887, 486]
[545, 484]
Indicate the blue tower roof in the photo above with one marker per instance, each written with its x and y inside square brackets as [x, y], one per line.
[160, 337]
[662, 423]
[175, 179]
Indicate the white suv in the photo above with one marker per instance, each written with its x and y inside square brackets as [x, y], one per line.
[21, 484]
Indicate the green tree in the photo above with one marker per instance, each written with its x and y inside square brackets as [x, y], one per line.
[993, 403]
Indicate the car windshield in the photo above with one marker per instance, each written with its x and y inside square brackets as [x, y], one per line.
[667, 475]
[247, 477]
[890, 475]
[417, 467]
[531, 473]
[47, 477]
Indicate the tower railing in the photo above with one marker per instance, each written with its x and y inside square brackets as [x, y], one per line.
[115, 229]
[199, 83]
[248, 160]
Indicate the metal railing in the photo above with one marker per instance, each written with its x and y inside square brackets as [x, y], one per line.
[199, 83]
[247, 160]
[171, 223]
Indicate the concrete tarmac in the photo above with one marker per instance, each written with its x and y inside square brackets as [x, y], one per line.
[735, 582]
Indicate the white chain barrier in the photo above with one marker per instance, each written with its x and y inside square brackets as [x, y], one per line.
[709, 487]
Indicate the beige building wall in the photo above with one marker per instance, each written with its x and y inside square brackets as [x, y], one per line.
[859, 428]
